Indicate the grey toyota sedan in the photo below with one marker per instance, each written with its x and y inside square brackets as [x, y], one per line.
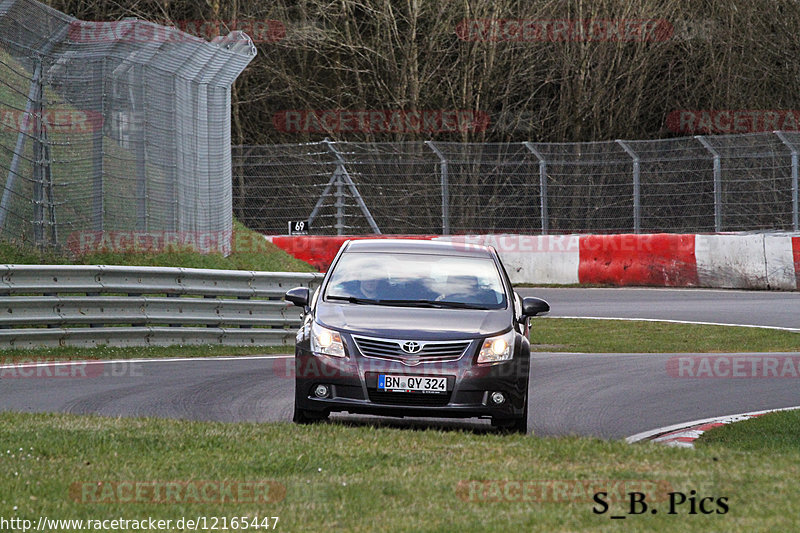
[403, 327]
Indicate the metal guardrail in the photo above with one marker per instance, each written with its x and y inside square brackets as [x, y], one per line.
[66, 305]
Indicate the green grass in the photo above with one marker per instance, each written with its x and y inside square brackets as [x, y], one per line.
[341, 477]
[250, 251]
[65, 353]
[626, 336]
[771, 433]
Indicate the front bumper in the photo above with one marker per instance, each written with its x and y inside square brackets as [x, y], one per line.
[352, 382]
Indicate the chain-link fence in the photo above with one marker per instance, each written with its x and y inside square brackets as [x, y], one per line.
[692, 184]
[112, 126]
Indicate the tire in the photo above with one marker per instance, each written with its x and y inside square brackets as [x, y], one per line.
[301, 416]
[514, 425]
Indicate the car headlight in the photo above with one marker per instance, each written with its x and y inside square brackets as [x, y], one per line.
[326, 341]
[496, 349]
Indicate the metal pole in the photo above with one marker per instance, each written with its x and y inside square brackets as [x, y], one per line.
[542, 186]
[339, 201]
[97, 152]
[175, 190]
[321, 199]
[637, 198]
[791, 147]
[51, 202]
[53, 39]
[38, 168]
[140, 149]
[717, 183]
[20, 146]
[353, 189]
[445, 188]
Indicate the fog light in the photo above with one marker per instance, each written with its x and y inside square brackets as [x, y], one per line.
[321, 391]
[498, 398]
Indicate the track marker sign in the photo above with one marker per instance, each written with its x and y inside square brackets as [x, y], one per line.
[299, 227]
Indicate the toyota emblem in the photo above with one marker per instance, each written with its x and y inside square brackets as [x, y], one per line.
[411, 347]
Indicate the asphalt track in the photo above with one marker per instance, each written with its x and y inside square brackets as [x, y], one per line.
[761, 308]
[608, 396]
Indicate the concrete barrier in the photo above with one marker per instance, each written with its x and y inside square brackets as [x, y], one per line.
[741, 261]
[550, 259]
[665, 260]
[745, 261]
[796, 254]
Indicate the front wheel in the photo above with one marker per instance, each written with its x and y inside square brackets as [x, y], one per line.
[513, 425]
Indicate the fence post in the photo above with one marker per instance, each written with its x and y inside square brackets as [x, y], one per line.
[140, 150]
[792, 148]
[443, 178]
[343, 178]
[98, 206]
[717, 183]
[38, 161]
[5, 204]
[542, 187]
[339, 203]
[637, 197]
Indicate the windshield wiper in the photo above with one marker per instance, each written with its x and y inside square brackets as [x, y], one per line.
[353, 299]
[409, 303]
[432, 303]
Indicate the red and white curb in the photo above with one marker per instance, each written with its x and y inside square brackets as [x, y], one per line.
[683, 435]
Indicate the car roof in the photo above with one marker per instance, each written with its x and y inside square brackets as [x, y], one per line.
[418, 246]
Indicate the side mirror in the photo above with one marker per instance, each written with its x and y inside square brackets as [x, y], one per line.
[534, 306]
[299, 296]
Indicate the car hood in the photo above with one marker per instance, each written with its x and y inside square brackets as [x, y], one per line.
[413, 323]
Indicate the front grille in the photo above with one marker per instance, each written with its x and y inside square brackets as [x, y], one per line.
[408, 398]
[431, 351]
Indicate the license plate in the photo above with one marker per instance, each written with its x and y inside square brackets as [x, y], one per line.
[391, 383]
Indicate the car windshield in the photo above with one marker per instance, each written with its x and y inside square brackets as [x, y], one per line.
[419, 280]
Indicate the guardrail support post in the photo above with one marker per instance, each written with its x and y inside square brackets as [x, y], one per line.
[717, 182]
[445, 188]
[542, 187]
[637, 198]
[793, 150]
